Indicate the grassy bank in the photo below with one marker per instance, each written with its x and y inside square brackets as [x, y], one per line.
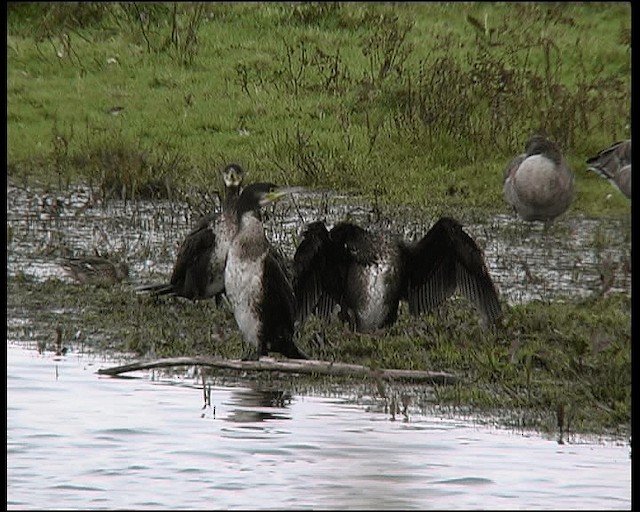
[548, 360]
[416, 103]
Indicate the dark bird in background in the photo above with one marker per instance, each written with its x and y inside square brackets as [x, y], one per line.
[614, 164]
[368, 273]
[257, 282]
[198, 272]
[95, 269]
[538, 183]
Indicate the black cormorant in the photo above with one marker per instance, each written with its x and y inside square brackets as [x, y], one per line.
[198, 272]
[257, 282]
[368, 273]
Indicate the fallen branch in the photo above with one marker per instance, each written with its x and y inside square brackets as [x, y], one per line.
[290, 366]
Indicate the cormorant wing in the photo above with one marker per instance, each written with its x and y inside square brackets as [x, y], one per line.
[447, 259]
[282, 260]
[315, 273]
[191, 270]
[278, 288]
[190, 273]
[279, 306]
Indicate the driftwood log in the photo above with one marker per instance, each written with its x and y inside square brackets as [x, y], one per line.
[308, 367]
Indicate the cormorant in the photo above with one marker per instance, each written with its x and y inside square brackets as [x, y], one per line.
[614, 164]
[198, 272]
[257, 282]
[368, 273]
[95, 269]
[538, 183]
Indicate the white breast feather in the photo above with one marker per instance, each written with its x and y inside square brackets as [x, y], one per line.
[243, 288]
[375, 307]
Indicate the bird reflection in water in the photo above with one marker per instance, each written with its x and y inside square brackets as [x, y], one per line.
[206, 391]
[249, 405]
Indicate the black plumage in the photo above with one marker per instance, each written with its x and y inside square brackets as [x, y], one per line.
[257, 281]
[198, 272]
[368, 273]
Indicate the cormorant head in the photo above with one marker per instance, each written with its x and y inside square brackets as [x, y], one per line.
[232, 175]
[257, 195]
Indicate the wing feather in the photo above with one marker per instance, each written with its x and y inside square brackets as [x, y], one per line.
[310, 265]
[447, 260]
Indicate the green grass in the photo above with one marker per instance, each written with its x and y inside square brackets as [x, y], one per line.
[418, 103]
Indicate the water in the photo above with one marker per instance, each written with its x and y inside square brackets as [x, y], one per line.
[76, 440]
[526, 263]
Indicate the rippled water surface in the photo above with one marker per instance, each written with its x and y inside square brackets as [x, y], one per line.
[77, 440]
[570, 259]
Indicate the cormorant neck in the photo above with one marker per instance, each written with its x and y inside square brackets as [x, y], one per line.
[250, 235]
[250, 221]
[231, 197]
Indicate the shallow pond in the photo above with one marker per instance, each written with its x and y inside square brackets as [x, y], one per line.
[577, 257]
[76, 440]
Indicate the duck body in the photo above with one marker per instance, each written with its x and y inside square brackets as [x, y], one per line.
[367, 274]
[538, 183]
[614, 164]
[95, 269]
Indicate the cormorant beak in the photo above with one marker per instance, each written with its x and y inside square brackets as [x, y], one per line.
[278, 193]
